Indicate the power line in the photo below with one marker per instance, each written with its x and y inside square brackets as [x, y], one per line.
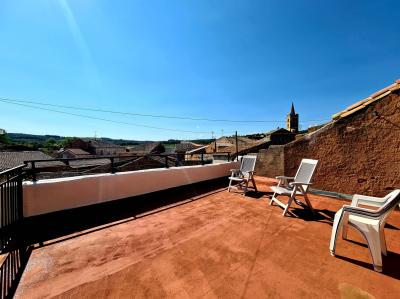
[103, 119]
[154, 115]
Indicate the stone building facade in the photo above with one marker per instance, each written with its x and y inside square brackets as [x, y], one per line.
[358, 151]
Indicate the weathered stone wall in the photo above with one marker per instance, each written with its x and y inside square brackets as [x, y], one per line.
[270, 162]
[357, 154]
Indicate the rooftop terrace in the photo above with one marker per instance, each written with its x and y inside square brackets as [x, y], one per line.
[202, 242]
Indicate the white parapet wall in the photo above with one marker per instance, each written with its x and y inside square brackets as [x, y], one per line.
[51, 195]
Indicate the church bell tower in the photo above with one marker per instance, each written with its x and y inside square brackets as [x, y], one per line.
[292, 121]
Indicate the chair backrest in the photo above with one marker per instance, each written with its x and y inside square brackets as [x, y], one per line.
[305, 172]
[248, 163]
[392, 200]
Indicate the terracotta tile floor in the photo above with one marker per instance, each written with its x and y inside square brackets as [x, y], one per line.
[222, 245]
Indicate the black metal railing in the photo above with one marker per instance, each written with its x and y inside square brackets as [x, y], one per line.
[12, 242]
[11, 205]
[15, 248]
[113, 164]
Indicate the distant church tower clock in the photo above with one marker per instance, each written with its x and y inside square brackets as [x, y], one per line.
[292, 121]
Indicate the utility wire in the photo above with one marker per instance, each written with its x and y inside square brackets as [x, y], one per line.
[153, 115]
[103, 119]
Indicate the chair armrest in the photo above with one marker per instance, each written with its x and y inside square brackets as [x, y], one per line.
[299, 183]
[367, 200]
[250, 173]
[282, 177]
[283, 180]
[361, 211]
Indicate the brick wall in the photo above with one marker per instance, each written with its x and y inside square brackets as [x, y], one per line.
[357, 154]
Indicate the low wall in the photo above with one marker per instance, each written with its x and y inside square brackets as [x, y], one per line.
[53, 195]
[270, 162]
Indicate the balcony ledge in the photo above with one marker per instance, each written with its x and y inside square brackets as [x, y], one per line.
[51, 195]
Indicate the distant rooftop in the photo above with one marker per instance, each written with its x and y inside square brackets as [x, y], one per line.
[77, 151]
[98, 142]
[185, 146]
[10, 159]
[145, 148]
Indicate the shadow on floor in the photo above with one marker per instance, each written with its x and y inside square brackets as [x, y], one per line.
[254, 194]
[40, 229]
[13, 263]
[304, 213]
[389, 226]
[391, 264]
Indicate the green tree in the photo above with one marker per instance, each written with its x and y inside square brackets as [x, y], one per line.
[4, 139]
[50, 143]
[66, 141]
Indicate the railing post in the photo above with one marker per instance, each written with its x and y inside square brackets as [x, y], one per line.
[202, 159]
[20, 198]
[229, 157]
[166, 162]
[112, 165]
[34, 179]
[12, 239]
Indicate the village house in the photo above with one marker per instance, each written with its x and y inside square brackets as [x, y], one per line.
[97, 147]
[147, 148]
[73, 153]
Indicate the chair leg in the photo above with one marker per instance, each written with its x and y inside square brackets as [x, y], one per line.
[345, 226]
[337, 223]
[308, 202]
[291, 198]
[345, 230]
[374, 244]
[383, 239]
[230, 184]
[271, 201]
[246, 186]
[254, 183]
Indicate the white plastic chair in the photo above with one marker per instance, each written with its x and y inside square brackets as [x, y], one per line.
[369, 200]
[243, 175]
[297, 185]
[370, 223]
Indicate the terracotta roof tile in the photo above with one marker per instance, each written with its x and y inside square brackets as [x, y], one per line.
[367, 101]
[186, 146]
[77, 151]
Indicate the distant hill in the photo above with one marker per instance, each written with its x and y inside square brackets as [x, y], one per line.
[20, 137]
[30, 138]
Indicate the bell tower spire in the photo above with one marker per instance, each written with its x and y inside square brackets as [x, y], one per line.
[292, 120]
[292, 111]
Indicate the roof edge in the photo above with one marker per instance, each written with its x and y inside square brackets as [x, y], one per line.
[367, 101]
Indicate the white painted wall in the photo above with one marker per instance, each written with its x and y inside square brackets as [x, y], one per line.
[52, 195]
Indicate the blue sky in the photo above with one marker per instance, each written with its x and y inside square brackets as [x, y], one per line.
[221, 59]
